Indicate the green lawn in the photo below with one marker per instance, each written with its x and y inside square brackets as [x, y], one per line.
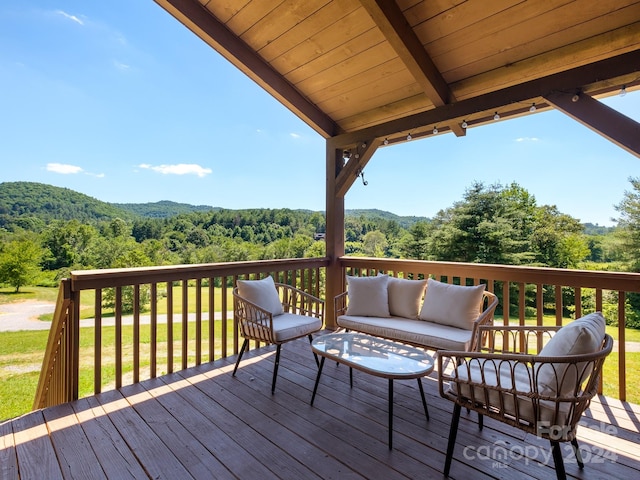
[21, 356]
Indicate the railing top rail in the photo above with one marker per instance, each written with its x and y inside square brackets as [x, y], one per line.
[114, 277]
[625, 281]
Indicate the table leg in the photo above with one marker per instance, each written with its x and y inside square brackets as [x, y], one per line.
[390, 413]
[424, 402]
[315, 387]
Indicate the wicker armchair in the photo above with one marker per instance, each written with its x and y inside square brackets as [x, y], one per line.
[274, 313]
[536, 393]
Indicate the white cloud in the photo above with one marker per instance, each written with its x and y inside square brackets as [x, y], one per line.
[121, 66]
[65, 169]
[295, 135]
[527, 139]
[178, 169]
[70, 17]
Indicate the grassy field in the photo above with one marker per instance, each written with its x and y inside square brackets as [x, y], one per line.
[21, 354]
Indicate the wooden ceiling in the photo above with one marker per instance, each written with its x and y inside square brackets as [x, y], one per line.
[359, 70]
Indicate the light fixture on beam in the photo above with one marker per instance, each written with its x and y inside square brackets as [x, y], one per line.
[409, 136]
[464, 124]
[533, 107]
[386, 141]
[435, 130]
[496, 116]
[623, 91]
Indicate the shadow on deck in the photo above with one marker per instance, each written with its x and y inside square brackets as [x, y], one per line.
[203, 423]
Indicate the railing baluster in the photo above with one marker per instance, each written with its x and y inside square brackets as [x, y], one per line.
[622, 365]
[136, 333]
[212, 319]
[559, 305]
[185, 323]
[153, 331]
[118, 319]
[198, 321]
[224, 309]
[97, 339]
[169, 327]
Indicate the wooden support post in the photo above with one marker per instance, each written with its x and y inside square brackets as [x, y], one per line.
[334, 237]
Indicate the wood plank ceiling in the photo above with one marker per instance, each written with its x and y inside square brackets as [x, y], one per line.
[381, 69]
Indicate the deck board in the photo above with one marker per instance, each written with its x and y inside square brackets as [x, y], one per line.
[204, 423]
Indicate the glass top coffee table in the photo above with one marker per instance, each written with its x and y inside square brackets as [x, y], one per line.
[375, 356]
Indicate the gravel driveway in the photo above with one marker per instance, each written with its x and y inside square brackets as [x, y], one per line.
[24, 315]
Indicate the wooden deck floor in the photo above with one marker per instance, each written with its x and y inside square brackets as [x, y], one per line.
[203, 423]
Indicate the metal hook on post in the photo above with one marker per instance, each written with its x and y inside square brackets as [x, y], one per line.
[360, 173]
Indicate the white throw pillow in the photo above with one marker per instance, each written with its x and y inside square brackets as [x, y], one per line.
[263, 293]
[368, 296]
[583, 335]
[405, 296]
[453, 305]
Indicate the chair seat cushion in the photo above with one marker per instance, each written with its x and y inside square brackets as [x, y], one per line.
[290, 325]
[415, 332]
[507, 375]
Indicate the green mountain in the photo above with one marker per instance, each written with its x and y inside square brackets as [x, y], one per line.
[162, 209]
[30, 205]
[375, 214]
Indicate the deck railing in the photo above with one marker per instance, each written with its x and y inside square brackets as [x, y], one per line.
[156, 320]
[530, 292]
[149, 320]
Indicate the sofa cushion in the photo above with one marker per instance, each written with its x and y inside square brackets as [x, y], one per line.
[454, 305]
[262, 293]
[415, 332]
[368, 296]
[582, 336]
[405, 297]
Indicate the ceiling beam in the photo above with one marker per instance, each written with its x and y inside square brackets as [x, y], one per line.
[199, 20]
[604, 120]
[394, 26]
[567, 81]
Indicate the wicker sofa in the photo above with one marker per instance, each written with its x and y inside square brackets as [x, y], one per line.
[423, 313]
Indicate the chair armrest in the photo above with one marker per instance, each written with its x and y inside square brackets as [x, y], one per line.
[254, 322]
[501, 385]
[340, 304]
[484, 318]
[519, 339]
[300, 302]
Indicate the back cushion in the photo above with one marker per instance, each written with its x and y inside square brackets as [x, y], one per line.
[405, 297]
[263, 293]
[584, 335]
[453, 305]
[368, 296]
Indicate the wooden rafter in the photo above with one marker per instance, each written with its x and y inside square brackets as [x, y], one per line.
[394, 26]
[604, 120]
[216, 34]
[568, 81]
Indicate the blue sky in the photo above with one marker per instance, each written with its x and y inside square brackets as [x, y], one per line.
[119, 101]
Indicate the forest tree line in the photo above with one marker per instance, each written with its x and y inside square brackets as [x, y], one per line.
[495, 224]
